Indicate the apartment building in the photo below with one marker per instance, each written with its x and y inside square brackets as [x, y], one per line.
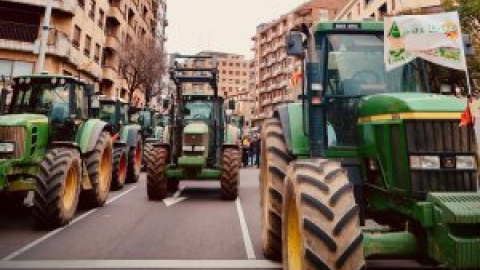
[232, 73]
[84, 40]
[377, 9]
[273, 68]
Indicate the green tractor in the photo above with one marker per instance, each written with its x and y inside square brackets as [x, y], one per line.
[201, 145]
[49, 146]
[127, 143]
[370, 164]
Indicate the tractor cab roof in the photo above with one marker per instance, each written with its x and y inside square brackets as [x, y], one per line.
[108, 99]
[54, 78]
[208, 97]
[349, 26]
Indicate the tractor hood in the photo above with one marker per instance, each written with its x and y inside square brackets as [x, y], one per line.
[196, 128]
[21, 119]
[409, 102]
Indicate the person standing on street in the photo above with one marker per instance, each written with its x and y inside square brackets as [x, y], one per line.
[245, 151]
[259, 151]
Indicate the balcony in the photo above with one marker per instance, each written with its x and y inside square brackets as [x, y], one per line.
[109, 74]
[63, 6]
[59, 44]
[278, 99]
[18, 37]
[112, 42]
[116, 14]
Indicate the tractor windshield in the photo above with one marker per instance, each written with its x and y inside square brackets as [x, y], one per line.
[107, 112]
[356, 67]
[199, 109]
[47, 99]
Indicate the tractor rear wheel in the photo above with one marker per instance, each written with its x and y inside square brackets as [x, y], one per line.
[320, 223]
[119, 173]
[58, 188]
[135, 155]
[273, 166]
[99, 167]
[156, 158]
[229, 180]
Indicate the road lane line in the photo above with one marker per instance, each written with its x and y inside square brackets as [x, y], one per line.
[56, 231]
[140, 264]
[175, 198]
[246, 235]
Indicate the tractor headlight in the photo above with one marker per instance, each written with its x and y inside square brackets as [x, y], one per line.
[199, 148]
[7, 147]
[425, 162]
[465, 162]
[187, 148]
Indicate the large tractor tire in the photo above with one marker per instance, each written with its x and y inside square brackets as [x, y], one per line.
[320, 223]
[156, 158]
[99, 167]
[229, 180]
[119, 173]
[135, 155]
[58, 187]
[273, 166]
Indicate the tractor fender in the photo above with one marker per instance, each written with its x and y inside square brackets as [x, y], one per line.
[129, 135]
[89, 133]
[230, 146]
[290, 116]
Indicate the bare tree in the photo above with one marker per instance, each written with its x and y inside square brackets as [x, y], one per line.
[141, 65]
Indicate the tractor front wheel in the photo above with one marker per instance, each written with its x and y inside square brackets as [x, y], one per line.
[119, 173]
[135, 155]
[320, 222]
[230, 174]
[99, 167]
[58, 188]
[156, 158]
[273, 166]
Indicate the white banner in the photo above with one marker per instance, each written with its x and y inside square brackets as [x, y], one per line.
[436, 38]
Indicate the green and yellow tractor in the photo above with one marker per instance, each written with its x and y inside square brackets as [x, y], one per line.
[370, 164]
[127, 140]
[50, 146]
[201, 145]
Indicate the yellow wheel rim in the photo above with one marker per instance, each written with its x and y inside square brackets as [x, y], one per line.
[105, 170]
[294, 238]
[70, 187]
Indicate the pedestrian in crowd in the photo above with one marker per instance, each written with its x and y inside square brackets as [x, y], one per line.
[251, 152]
[256, 145]
[245, 150]
[259, 151]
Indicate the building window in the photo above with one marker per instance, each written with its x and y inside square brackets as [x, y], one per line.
[96, 56]
[101, 17]
[10, 68]
[88, 44]
[81, 3]
[358, 8]
[91, 12]
[77, 32]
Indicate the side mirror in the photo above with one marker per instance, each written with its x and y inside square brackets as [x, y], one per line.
[468, 46]
[294, 44]
[89, 89]
[165, 104]
[231, 104]
[3, 100]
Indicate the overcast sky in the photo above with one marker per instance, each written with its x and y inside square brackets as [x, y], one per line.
[221, 25]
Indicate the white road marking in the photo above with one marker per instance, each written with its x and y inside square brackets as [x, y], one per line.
[246, 235]
[139, 264]
[175, 198]
[56, 231]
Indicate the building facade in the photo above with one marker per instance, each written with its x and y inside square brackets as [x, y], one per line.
[273, 67]
[232, 73]
[84, 40]
[377, 9]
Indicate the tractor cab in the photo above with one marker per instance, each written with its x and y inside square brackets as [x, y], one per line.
[64, 101]
[113, 111]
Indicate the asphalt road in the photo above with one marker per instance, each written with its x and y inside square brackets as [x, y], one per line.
[194, 229]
